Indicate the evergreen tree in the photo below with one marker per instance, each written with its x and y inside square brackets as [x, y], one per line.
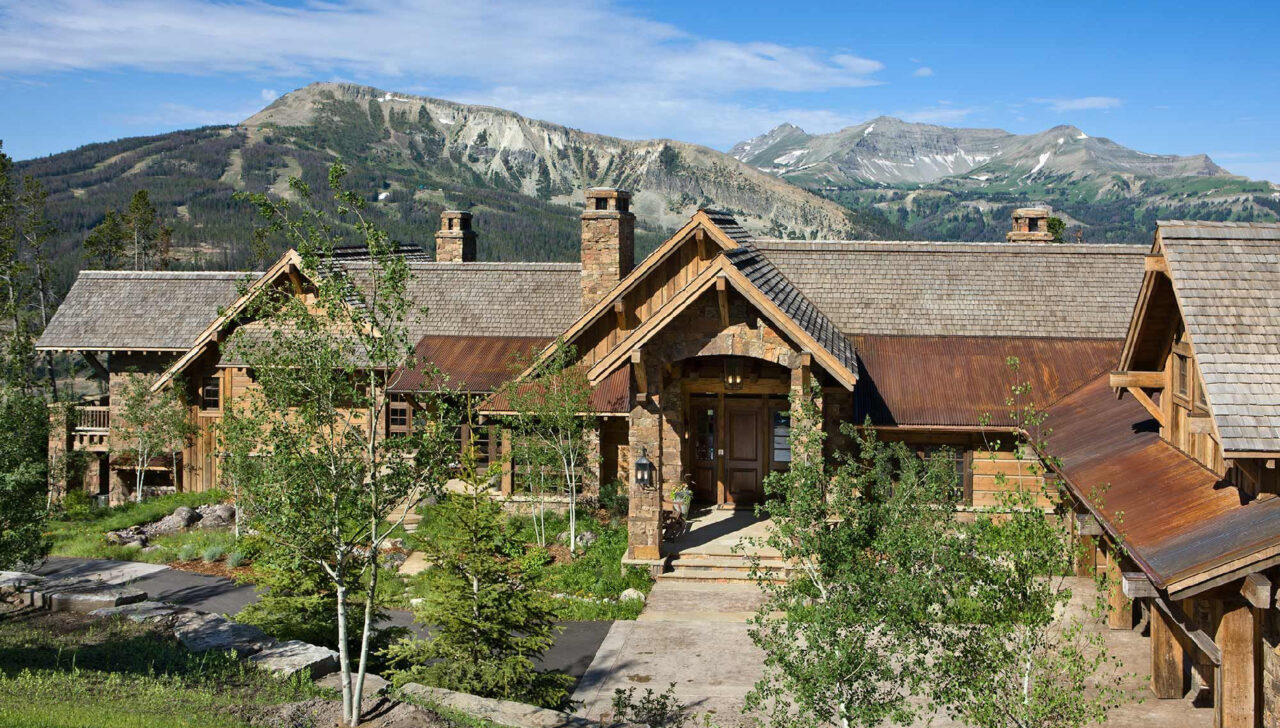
[104, 246]
[488, 620]
[36, 233]
[141, 223]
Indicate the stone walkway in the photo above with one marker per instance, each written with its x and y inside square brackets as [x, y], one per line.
[695, 636]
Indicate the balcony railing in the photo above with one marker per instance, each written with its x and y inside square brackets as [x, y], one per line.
[92, 418]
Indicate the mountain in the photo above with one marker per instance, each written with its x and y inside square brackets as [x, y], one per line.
[941, 182]
[413, 157]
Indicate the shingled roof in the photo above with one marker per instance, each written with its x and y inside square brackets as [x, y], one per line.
[139, 310]
[966, 289]
[490, 299]
[1226, 276]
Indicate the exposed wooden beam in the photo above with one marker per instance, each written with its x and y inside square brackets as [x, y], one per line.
[1087, 525]
[1194, 635]
[1156, 262]
[1256, 589]
[1136, 585]
[1148, 405]
[620, 311]
[642, 380]
[96, 365]
[1146, 380]
[722, 293]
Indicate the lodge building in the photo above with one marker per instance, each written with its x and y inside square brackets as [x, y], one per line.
[1158, 367]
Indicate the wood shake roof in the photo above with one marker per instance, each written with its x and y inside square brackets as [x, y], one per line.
[139, 310]
[1226, 277]
[490, 299]
[966, 289]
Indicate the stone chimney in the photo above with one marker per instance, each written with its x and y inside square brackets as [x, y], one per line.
[1030, 225]
[456, 241]
[608, 242]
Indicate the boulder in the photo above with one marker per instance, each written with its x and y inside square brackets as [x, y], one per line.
[586, 538]
[631, 594]
[373, 684]
[84, 596]
[181, 517]
[204, 632]
[502, 712]
[290, 658]
[15, 581]
[218, 515]
[138, 611]
[392, 544]
[125, 536]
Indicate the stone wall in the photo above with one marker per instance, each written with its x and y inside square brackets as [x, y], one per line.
[59, 444]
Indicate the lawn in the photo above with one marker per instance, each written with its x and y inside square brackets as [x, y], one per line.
[64, 670]
[81, 532]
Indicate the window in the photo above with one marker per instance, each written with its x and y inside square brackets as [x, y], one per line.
[1181, 375]
[781, 433]
[398, 414]
[211, 393]
[704, 444]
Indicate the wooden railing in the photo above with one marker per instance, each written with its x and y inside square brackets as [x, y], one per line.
[92, 418]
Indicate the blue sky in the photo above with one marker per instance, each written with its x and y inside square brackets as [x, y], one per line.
[1168, 77]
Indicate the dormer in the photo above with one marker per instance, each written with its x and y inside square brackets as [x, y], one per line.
[1203, 348]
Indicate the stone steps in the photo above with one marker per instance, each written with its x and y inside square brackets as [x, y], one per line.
[720, 568]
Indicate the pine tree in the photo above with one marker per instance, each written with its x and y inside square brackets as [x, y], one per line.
[104, 246]
[489, 620]
[36, 233]
[141, 221]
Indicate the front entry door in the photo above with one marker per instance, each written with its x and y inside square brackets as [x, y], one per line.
[744, 454]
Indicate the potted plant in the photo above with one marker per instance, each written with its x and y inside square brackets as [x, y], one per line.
[682, 498]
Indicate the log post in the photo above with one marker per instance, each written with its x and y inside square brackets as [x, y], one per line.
[1085, 564]
[1119, 606]
[1167, 669]
[508, 468]
[1238, 696]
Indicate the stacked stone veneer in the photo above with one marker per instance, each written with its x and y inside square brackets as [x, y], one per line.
[657, 424]
[456, 241]
[1271, 665]
[608, 242]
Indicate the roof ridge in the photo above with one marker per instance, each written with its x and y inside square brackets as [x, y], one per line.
[982, 246]
[167, 273]
[495, 265]
[1219, 223]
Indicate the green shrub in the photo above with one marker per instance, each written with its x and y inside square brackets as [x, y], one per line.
[77, 505]
[614, 499]
[188, 552]
[234, 559]
[213, 554]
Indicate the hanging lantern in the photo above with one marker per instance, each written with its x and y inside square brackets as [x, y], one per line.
[732, 374]
[644, 470]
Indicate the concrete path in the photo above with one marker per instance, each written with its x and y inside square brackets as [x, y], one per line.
[693, 635]
[572, 653]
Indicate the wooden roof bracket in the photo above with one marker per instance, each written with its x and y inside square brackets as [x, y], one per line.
[722, 294]
[1194, 635]
[1087, 525]
[642, 379]
[96, 365]
[1152, 409]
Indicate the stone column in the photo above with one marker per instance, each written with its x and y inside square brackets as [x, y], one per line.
[591, 468]
[801, 390]
[59, 445]
[644, 515]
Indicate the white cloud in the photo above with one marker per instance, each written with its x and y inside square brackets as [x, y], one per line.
[1084, 103]
[184, 115]
[269, 94]
[588, 63]
[922, 71]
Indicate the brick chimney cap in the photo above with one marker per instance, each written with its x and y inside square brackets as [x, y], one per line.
[456, 213]
[1032, 212]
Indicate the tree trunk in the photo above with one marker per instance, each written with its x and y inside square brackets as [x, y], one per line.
[357, 693]
[343, 654]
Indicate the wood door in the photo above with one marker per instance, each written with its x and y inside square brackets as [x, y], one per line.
[706, 438]
[744, 466]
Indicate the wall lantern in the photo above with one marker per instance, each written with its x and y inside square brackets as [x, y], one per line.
[733, 374]
[644, 470]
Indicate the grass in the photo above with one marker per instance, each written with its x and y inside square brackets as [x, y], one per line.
[84, 537]
[60, 670]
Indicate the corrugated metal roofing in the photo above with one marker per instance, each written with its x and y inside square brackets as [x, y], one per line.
[1176, 518]
[467, 363]
[140, 310]
[612, 395]
[1226, 277]
[962, 381]
[966, 289]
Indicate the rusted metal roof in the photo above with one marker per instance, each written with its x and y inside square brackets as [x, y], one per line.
[612, 396]
[959, 381]
[1177, 519]
[465, 363]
